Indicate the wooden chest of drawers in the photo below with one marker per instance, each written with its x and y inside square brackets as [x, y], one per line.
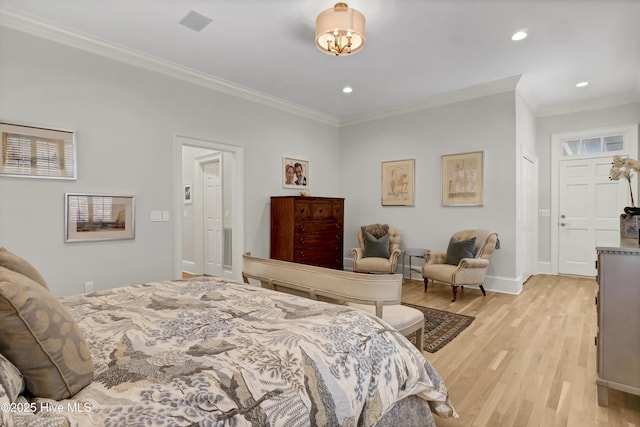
[308, 230]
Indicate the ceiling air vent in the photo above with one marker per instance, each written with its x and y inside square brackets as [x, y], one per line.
[195, 21]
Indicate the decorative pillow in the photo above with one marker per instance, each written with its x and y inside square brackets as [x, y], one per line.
[41, 339]
[376, 230]
[459, 249]
[11, 380]
[14, 263]
[6, 416]
[373, 247]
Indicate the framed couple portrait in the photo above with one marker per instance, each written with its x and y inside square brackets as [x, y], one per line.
[295, 173]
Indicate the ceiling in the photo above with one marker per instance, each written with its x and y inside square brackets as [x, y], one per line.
[416, 50]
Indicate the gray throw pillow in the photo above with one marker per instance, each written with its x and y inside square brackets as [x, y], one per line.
[373, 247]
[459, 249]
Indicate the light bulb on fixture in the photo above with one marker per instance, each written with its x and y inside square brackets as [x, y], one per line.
[520, 35]
[340, 30]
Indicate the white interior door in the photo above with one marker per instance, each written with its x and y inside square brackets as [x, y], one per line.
[212, 214]
[589, 208]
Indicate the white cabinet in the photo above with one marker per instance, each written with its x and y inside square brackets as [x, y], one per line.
[618, 305]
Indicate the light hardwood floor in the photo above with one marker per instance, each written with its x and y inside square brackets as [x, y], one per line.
[526, 360]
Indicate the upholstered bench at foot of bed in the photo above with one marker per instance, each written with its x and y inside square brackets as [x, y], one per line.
[405, 320]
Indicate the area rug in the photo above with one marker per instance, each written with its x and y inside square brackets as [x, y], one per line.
[440, 327]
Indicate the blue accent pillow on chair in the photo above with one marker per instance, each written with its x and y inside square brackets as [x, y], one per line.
[459, 249]
[373, 247]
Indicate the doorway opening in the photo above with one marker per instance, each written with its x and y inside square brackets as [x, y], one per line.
[209, 227]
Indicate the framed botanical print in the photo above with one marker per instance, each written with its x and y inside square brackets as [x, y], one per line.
[462, 177]
[398, 187]
[295, 173]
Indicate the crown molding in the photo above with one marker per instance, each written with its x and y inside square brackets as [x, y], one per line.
[47, 30]
[588, 105]
[472, 92]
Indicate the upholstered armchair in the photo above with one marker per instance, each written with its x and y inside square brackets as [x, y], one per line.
[379, 249]
[465, 262]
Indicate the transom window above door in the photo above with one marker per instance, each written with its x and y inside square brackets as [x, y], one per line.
[592, 145]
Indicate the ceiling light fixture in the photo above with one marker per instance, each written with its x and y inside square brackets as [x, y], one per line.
[340, 30]
[520, 35]
[582, 84]
[347, 89]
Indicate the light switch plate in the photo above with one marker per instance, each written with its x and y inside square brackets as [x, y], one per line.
[156, 216]
[165, 215]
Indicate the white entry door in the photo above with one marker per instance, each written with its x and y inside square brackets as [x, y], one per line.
[212, 214]
[589, 208]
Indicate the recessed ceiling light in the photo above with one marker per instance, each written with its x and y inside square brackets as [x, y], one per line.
[582, 84]
[347, 89]
[520, 35]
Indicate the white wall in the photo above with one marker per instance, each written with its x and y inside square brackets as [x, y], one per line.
[126, 120]
[486, 124]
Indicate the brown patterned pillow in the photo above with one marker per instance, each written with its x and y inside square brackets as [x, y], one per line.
[41, 339]
[14, 263]
[376, 230]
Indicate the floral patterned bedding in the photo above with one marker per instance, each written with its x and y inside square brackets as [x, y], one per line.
[211, 352]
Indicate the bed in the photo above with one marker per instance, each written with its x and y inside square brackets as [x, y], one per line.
[209, 351]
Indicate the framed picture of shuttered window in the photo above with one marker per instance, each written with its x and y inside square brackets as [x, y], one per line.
[91, 217]
[37, 152]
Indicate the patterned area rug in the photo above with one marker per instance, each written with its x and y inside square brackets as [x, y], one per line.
[440, 327]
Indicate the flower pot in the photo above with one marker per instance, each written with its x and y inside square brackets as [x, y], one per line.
[629, 223]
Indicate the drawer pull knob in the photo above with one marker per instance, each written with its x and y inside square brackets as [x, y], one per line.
[321, 210]
[302, 227]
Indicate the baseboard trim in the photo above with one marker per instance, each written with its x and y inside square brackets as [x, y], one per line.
[544, 267]
[188, 266]
[504, 285]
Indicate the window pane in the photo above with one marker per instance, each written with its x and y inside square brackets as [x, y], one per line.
[613, 143]
[591, 145]
[571, 148]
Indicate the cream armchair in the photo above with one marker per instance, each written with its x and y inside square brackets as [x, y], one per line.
[375, 255]
[465, 262]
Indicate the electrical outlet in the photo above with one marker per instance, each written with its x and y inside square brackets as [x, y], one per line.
[88, 287]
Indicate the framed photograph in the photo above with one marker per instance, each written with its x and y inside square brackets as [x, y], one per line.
[398, 186]
[35, 152]
[90, 217]
[295, 173]
[187, 194]
[462, 179]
